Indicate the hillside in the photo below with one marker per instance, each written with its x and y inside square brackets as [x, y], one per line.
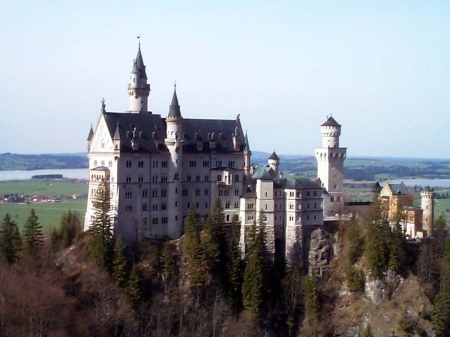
[11, 161]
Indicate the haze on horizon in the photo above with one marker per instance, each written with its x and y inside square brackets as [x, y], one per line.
[382, 69]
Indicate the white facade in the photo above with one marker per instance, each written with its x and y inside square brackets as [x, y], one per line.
[330, 168]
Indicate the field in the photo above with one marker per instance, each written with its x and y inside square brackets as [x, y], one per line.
[49, 213]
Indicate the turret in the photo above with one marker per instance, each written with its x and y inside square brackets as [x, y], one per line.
[427, 196]
[138, 88]
[174, 143]
[247, 159]
[274, 162]
[331, 130]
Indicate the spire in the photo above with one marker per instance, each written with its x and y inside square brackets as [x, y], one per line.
[139, 63]
[91, 134]
[117, 133]
[247, 144]
[174, 111]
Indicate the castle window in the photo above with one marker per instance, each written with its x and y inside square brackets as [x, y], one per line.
[141, 179]
[155, 178]
[206, 191]
[236, 177]
[155, 221]
[228, 217]
[155, 207]
[250, 205]
[291, 206]
[236, 204]
[206, 205]
[307, 206]
[141, 163]
[144, 207]
[227, 204]
[250, 217]
[145, 193]
[155, 193]
[128, 194]
[128, 163]
[219, 177]
[163, 193]
[231, 163]
[197, 178]
[218, 163]
[197, 192]
[266, 207]
[315, 205]
[291, 194]
[236, 191]
[184, 192]
[206, 178]
[223, 192]
[164, 179]
[315, 193]
[192, 163]
[155, 163]
[206, 163]
[176, 176]
[128, 208]
[307, 217]
[164, 220]
[163, 207]
[128, 179]
[164, 163]
[308, 193]
[188, 178]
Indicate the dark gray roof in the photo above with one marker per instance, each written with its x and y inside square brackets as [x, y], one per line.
[331, 122]
[151, 127]
[174, 110]
[148, 128]
[296, 183]
[247, 144]
[274, 156]
[204, 130]
[264, 173]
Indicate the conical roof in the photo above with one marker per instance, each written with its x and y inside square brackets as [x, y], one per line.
[174, 110]
[331, 122]
[91, 134]
[274, 156]
[138, 65]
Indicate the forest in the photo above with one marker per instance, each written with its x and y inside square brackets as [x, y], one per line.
[73, 283]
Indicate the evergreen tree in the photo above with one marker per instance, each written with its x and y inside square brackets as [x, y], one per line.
[192, 249]
[10, 240]
[119, 264]
[311, 297]
[376, 250]
[32, 235]
[101, 239]
[234, 270]
[253, 286]
[133, 287]
[354, 241]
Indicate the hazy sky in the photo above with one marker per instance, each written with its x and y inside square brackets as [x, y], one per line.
[381, 68]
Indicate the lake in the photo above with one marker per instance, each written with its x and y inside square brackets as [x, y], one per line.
[422, 182]
[67, 173]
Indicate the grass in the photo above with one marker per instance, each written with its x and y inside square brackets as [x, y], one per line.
[49, 213]
[442, 206]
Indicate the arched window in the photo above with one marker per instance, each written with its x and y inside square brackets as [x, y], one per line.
[219, 177]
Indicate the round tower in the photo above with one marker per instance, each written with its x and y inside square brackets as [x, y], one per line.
[174, 143]
[427, 196]
[331, 131]
[138, 88]
[274, 162]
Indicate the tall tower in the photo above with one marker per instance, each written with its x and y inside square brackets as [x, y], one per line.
[330, 167]
[174, 142]
[138, 88]
[427, 196]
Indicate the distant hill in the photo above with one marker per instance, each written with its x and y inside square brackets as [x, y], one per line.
[13, 161]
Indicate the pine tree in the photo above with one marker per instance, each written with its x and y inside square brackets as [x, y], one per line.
[354, 241]
[101, 239]
[10, 240]
[375, 247]
[133, 288]
[191, 248]
[253, 286]
[32, 235]
[234, 270]
[311, 296]
[119, 264]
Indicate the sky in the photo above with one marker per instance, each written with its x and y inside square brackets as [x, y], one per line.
[380, 68]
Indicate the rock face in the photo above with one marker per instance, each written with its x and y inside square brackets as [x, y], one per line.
[320, 248]
[379, 290]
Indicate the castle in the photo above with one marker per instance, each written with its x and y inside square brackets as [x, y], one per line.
[155, 168]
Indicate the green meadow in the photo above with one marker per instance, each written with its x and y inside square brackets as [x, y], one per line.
[49, 213]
